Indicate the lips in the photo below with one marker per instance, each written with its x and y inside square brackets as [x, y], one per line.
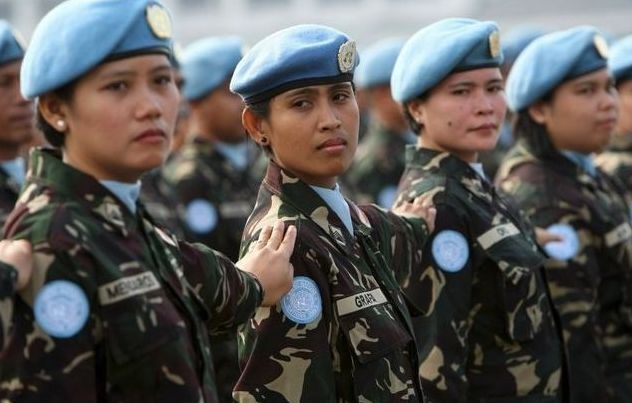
[485, 126]
[332, 143]
[151, 134]
[607, 123]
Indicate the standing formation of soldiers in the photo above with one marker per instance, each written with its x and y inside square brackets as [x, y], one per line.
[474, 246]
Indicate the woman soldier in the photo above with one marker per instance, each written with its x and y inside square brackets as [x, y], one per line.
[343, 332]
[617, 161]
[488, 333]
[117, 309]
[566, 107]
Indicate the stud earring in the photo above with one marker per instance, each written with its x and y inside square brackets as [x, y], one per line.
[264, 140]
[61, 124]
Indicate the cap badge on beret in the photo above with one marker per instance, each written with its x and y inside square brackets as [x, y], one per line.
[494, 44]
[346, 56]
[601, 45]
[159, 21]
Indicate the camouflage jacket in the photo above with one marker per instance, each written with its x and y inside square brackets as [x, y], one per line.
[9, 191]
[377, 167]
[357, 345]
[150, 300]
[8, 279]
[213, 198]
[489, 332]
[617, 160]
[592, 289]
[158, 203]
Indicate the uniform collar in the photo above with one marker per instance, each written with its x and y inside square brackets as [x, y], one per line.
[15, 169]
[336, 201]
[444, 163]
[47, 168]
[305, 199]
[126, 192]
[584, 161]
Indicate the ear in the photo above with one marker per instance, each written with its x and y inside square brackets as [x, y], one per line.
[256, 126]
[54, 112]
[416, 110]
[539, 112]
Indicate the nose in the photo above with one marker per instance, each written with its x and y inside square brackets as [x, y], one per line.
[609, 100]
[149, 105]
[484, 103]
[329, 119]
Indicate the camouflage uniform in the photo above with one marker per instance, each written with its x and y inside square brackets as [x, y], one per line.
[377, 167]
[360, 348]
[592, 289]
[158, 203]
[488, 333]
[617, 160]
[197, 172]
[152, 299]
[8, 279]
[9, 191]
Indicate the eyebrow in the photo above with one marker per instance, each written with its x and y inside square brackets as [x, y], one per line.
[129, 73]
[473, 84]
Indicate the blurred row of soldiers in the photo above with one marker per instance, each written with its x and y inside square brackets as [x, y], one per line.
[207, 188]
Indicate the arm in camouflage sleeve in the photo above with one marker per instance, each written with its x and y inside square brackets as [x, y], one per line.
[444, 299]
[230, 294]
[42, 365]
[282, 360]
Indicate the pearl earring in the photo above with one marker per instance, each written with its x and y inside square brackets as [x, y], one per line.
[61, 124]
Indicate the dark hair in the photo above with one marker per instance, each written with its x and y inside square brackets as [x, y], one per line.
[533, 134]
[262, 110]
[54, 137]
[415, 126]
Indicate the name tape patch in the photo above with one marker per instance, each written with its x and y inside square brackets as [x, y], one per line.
[618, 235]
[127, 287]
[360, 301]
[496, 234]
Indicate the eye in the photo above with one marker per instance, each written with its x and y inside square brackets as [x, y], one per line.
[496, 88]
[460, 91]
[300, 104]
[586, 90]
[117, 86]
[163, 79]
[341, 96]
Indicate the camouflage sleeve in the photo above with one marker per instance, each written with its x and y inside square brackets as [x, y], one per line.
[229, 294]
[446, 315]
[402, 240]
[282, 360]
[53, 354]
[8, 279]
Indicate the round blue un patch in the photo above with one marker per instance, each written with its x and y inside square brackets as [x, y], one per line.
[568, 247]
[303, 303]
[61, 308]
[450, 250]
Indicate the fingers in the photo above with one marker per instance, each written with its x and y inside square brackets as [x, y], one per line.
[287, 245]
[264, 236]
[277, 235]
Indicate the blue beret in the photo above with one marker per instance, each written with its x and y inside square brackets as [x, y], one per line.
[78, 35]
[552, 59]
[377, 64]
[11, 48]
[517, 39]
[620, 60]
[209, 62]
[294, 57]
[443, 48]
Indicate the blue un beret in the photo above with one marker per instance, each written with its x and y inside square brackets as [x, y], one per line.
[620, 60]
[443, 48]
[78, 35]
[377, 64]
[294, 57]
[11, 48]
[209, 62]
[552, 59]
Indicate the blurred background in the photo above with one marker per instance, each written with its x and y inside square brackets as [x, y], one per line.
[365, 20]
